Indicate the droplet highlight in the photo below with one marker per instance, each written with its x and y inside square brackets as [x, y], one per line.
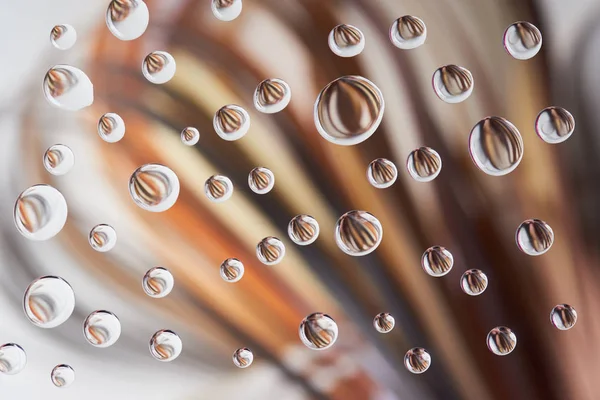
[534, 237]
[154, 187]
[382, 173]
[563, 317]
[501, 341]
[261, 180]
[12, 359]
[127, 19]
[417, 360]
[318, 331]
[190, 136]
[103, 238]
[453, 84]
[424, 164]
[63, 37]
[272, 96]
[384, 322]
[232, 270]
[437, 261]
[554, 125]
[62, 376]
[358, 233]
[68, 88]
[496, 146]
[346, 40]
[408, 32]
[226, 10]
[48, 301]
[231, 122]
[40, 212]
[158, 282]
[218, 188]
[159, 67]
[243, 358]
[522, 40]
[111, 127]
[102, 328]
[473, 282]
[165, 345]
[59, 159]
[270, 251]
[303, 230]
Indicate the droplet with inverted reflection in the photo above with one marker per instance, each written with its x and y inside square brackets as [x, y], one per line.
[384, 322]
[154, 187]
[358, 233]
[12, 359]
[496, 146]
[270, 250]
[382, 173]
[59, 159]
[226, 10]
[349, 110]
[127, 19]
[231, 122]
[232, 270]
[408, 32]
[218, 188]
[159, 67]
[242, 358]
[303, 229]
[272, 95]
[165, 345]
[68, 88]
[346, 40]
[63, 37]
[452, 83]
[473, 282]
[158, 282]
[522, 40]
[190, 136]
[111, 127]
[103, 238]
[437, 261]
[554, 125]
[534, 237]
[261, 180]
[417, 360]
[48, 301]
[501, 341]
[563, 317]
[424, 164]
[318, 331]
[40, 212]
[102, 328]
[62, 375]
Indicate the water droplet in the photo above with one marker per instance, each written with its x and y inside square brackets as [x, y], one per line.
[270, 250]
[358, 233]
[303, 230]
[473, 282]
[111, 127]
[408, 32]
[563, 316]
[554, 125]
[63, 37]
[158, 282]
[382, 173]
[534, 237]
[384, 322]
[424, 164]
[496, 146]
[437, 261]
[40, 212]
[68, 88]
[159, 67]
[218, 188]
[154, 187]
[127, 19]
[232, 270]
[318, 331]
[103, 238]
[452, 83]
[59, 159]
[62, 375]
[349, 110]
[272, 96]
[242, 358]
[12, 359]
[165, 345]
[102, 328]
[417, 360]
[48, 301]
[190, 136]
[231, 122]
[501, 341]
[226, 10]
[346, 40]
[261, 180]
[522, 40]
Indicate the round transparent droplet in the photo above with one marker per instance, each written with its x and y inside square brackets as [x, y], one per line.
[270, 251]
[190, 136]
[272, 96]
[424, 164]
[12, 359]
[63, 37]
[563, 317]
[348, 110]
[103, 238]
[534, 237]
[318, 331]
[437, 261]
[165, 345]
[496, 146]
[384, 322]
[154, 187]
[417, 360]
[473, 282]
[554, 125]
[40, 212]
[62, 375]
[102, 328]
[501, 341]
[68, 88]
[127, 19]
[59, 159]
[382, 173]
[408, 32]
[453, 84]
[218, 188]
[261, 180]
[231, 122]
[48, 301]
[232, 270]
[158, 282]
[303, 230]
[358, 233]
[346, 40]
[242, 358]
[111, 127]
[159, 67]
[522, 40]
[226, 10]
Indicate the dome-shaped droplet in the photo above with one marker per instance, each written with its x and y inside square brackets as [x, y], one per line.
[111, 127]
[408, 32]
[417, 360]
[158, 282]
[232, 270]
[522, 40]
[554, 125]
[103, 238]
[563, 316]
[501, 341]
[159, 67]
[226, 10]
[473, 282]
[48, 301]
[154, 187]
[261, 180]
[59, 159]
[382, 173]
[272, 95]
[242, 358]
[190, 136]
[12, 359]
[303, 229]
[231, 122]
[424, 164]
[63, 37]
[270, 250]
[534, 237]
[346, 40]
[127, 19]
[68, 88]
[349, 110]
[437, 261]
[496, 146]
[62, 375]
[358, 233]
[452, 83]
[218, 188]
[40, 212]
[318, 331]
[102, 328]
[384, 322]
[165, 345]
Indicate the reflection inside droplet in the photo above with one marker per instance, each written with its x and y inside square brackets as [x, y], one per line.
[346, 40]
[303, 229]
[437, 261]
[103, 238]
[272, 95]
[232, 270]
[358, 233]
[111, 127]
[417, 360]
[408, 32]
[424, 164]
[159, 67]
[190, 136]
[63, 37]
[473, 282]
[218, 188]
[270, 251]
[242, 358]
[382, 173]
[165, 345]
[68, 88]
[48, 301]
[318, 331]
[452, 83]
[261, 180]
[226, 10]
[496, 146]
[534, 237]
[522, 40]
[554, 125]
[501, 341]
[563, 317]
[127, 19]
[62, 375]
[59, 159]
[102, 328]
[40, 212]
[154, 187]
[231, 122]
[384, 322]
[158, 282]
[12, 359]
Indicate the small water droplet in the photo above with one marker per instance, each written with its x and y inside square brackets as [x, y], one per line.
[59, 159]
[501, 341]
[453, 84]
[231, 122]
[154, 187]
[68, 88]
[358, 233]
[348, 110]
[270, 250]
[318, 331]
[226, 10]
[437, 261]
[424, 164]
[417, 360]
[272, 96]
[40, 212]
[158, 282]
[218, 188]
[159, 67]
[346, 40]
[261, 180]
[534, 237]
[63, 37]
[382, 173]
[522, 40]
[473, 282]
[190, 136]
[165, 345]
[242, 358]
[111, 127]
[384, 323]
[496, 146]
[232, 270]
[563, 316]
[12, 359]
[408, 32]
[554, 125]
[48, 301]
[127, 19]
[103, 238]
[102, 328]
[62, 375]
[303, 230]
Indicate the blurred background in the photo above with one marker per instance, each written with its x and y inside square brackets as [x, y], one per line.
[471, 214]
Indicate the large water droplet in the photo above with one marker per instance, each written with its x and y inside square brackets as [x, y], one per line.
[68, 88]
[127, 19]
[424, 164]
[384, 322]
[437, 261]
[154, 187]
[12, 359]
[349, 110]
[231, 122]
[218, 188]
[62, 375]
[563, 316]
[473, 282]
[111, 127]
[158, 282]
[501, 341]
[417, 360]
[272, 95]
[59, 159]
[103, 238]
[165, 345]
[270, 250]
[48, 301]
[318, 331]
[452, 83]
[382, 173]
[408, 32]
[159, 67]
[554, 125]
[358, 233]
[346, 40]
[232, 270]
[522, 40]
[40, 212]
[102, 328]
[190, 136]
[63, 37]
[242, 358]
[496, 146]
[226, 10]
[303, 229]
[261, 180]
[534, 237]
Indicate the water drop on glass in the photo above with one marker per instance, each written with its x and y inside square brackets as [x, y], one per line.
[501, 341]
[158, 282]
[261, 180]
[303, 230]
[232, 270]
[318, 331]
[408, 32]
[159, 67]
[270, 251]
[154, 187]
[12, 359]
[127, 19]
[231, 122]
[437, 261]
[103, 238]
[417, 360]
[384, 322]
[68, 88]
[358, 233]
[242, 358]
[59, 159]
[522, 40]
[382, 173]
[554, 125]
[534, 237]
[48, 301]
[190, 136]
[473, 282]
[346, 40]
[218, 188]
[62, 375]
[424, 164]
[226, 10]
[165, 345]
[272, 96]
[40, 212]
[453, 84]
[111, 127]
[63, 37]
[496, 146]
[563, 317]
[102, 328]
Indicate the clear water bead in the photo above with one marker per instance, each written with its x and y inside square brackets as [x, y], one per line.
[165, 345]
[158, 282]
[437, 261]
[261, 180]
[534, 237]
[270, 250]
[190, 136]
[111, 127]
[59, 159]
[154, 187]
[554, 125]
[358, 233]
[382, 173]
[12, 359]
[272, 96]
[226, 10]
[522, 40]
[453, 84]
[48, 301]
[232, 270]
[384, 322]
[159, 67]
[218, 188]
[243, 358]
[63, 37]
[424, 164]
[417, 360]
[501, 341]
[408, 32]
[68, 88]
[102, 328]
[473, 282]
[103, 238]
[231, 122]
[563, 317]
[62, 375]
[496, 146]
[303, 230]
[346, 40]
[40, 212]
[318, 331]
[127, 19]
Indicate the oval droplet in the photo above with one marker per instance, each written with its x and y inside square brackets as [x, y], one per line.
[103, 238]
[346, 40]
[501, 341]
[522, 40]
[554, 125]
[272, 96]
[384, 322]
[218, 188]
[303, 230]
[437, 261]
[154, 187]
[358, 233]
[408, 32]
[534, 237]
[127, 19]
[231, 122]
[165, 345]
[59, 159]
[159, 67]
[111, 127]
[563, 317]
[48, 301]
[424, 164]
[63, 37]
[473, 282]
[453, 84]
[190, 136]
[261, 180]
[382, 173]
[12, 359]
[318, 331]
[40, 212]
[417, 360]
[158, 282]
[232, 270]
[102, 328]
[226, 10]
[62, 375]
[270, 250]
[496, 146]
[68, 88]
[242, 358]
